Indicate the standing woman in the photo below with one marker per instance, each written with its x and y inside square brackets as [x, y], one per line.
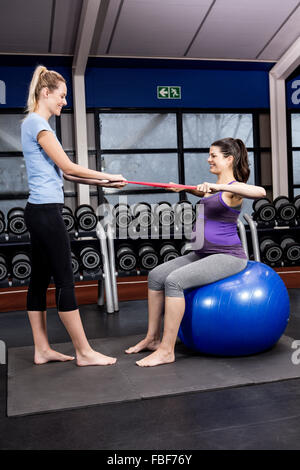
[221, 255]
[45, 162]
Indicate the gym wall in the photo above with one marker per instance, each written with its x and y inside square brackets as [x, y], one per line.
[124, 85]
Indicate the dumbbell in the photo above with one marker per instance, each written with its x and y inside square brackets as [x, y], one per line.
[122, 215]
[143, 214]
[167, 252]
[185, 248]
[126, 259]
[15, 221]
[270, 250]
[185, 213]
[164, 214]
[297, 203]
[291, 249]
[69, 218]
[85, 217]
[75, 263]
[90, 258]
[264, 210]
[2, 222]
[284, 208]
[3, 267]
[21, 266]
[148, 258]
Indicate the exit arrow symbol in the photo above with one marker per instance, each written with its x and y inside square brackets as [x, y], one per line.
[163, 92]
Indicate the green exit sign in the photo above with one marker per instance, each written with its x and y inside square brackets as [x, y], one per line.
[169, 92]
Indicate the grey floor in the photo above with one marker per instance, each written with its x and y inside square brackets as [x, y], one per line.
[253, 417]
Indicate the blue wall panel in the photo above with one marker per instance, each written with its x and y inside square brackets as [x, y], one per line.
[133, 82]
[14, 85]
[126, 87]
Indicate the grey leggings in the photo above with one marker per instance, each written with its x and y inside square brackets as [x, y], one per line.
[191, 271]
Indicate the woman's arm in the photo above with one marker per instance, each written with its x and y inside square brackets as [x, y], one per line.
[191, 191]
[239, 189]
[54, 150]
[195, 192]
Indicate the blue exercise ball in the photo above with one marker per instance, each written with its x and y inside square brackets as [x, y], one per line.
[240, 315]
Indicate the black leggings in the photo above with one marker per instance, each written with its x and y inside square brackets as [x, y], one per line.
[50, 256]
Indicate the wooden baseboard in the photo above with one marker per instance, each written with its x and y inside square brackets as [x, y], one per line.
[132, 288]
[129, 288]
[290, 276]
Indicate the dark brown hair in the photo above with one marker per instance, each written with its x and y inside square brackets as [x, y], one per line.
[235, 147]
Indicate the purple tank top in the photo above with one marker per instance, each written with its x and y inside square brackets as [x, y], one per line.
[220, 227]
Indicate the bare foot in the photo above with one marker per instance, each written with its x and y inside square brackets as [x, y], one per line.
[145, 344]
[41, 357]
[94, 358]
[157, 358]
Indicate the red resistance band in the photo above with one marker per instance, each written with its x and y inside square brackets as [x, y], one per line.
[78, 179]
[162, 185]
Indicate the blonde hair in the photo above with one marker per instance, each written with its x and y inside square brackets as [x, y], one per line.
[42, 77]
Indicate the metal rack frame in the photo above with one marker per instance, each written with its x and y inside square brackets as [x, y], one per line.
[107, 282]
[253, 230]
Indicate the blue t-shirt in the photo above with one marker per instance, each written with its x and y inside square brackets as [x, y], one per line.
[44, 176]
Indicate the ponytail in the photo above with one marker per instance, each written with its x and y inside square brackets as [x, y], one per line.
[241, 168]
[42, 77]
[237, 149]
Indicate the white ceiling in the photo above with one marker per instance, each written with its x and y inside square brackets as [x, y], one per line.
[214, 29]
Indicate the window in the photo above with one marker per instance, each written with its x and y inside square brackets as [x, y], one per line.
[10, 132]
[173, 146]
[138, 131]
[13, 177]
[141, 147]
[200, 130]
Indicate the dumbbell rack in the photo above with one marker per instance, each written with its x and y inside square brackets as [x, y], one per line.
[289, 272]
[10, 242]
[120, 232]
[276, 231]
[275, 220]
[159, 236]
[113, 243]
[108, 238]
